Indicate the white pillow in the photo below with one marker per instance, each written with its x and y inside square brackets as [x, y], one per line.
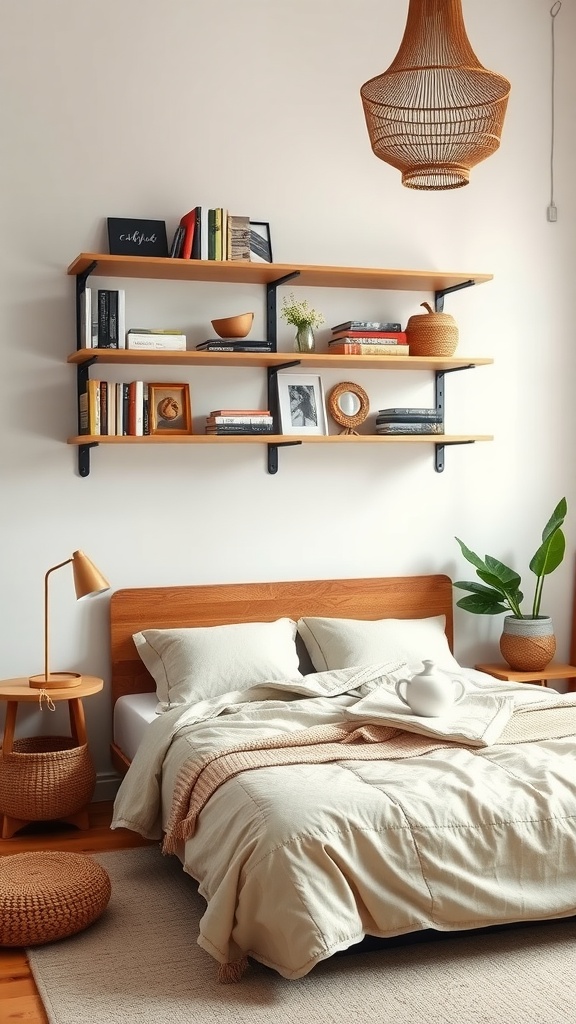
[195, 663]
[345, 643]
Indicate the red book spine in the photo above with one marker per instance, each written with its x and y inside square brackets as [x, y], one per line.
[188, 222]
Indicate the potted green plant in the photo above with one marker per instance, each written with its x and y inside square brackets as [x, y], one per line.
[305, 319]
[527, 642]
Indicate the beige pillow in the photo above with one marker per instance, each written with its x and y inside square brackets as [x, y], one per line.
[195, 663]
[345, 643]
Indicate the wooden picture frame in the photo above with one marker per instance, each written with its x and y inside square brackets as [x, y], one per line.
[260, 242]
[301, 406]
[169, 408]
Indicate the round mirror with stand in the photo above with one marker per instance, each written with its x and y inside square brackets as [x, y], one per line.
[348, 406]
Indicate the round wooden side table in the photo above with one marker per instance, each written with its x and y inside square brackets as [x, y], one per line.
[17, 691]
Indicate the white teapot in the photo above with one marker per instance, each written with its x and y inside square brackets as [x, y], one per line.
[431, 692]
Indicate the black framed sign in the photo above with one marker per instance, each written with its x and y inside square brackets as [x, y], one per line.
[260, 242]
[130, 236]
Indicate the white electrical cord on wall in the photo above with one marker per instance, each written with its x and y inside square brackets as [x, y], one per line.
[552, 212]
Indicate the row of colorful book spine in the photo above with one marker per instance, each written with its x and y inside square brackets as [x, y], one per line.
[112, 408]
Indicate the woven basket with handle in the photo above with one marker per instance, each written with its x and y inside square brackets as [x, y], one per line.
[45, 777]
[432, 334]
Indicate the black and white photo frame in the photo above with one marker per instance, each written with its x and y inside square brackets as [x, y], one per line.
[260, 242]
[301, 406]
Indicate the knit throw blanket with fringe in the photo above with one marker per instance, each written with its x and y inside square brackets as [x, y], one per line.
[199, 778]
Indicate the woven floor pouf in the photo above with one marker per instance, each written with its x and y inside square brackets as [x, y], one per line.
[49, 895]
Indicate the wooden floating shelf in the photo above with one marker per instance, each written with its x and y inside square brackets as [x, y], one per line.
[323, 360]
[240, 272]
[280, 439]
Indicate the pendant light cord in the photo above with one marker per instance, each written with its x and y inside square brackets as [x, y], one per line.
[552, 212]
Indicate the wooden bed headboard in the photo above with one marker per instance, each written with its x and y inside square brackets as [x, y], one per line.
[398, 597]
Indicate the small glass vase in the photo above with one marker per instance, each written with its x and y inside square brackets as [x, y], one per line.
[304, 341]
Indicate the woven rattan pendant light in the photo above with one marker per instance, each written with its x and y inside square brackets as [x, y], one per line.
[436, 112]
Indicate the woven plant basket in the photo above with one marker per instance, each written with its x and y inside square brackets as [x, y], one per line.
[45, 777]
[528, 645]
[432, 334]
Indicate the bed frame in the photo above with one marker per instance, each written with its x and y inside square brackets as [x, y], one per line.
[399, 597]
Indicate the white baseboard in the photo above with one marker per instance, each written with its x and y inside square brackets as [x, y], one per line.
[107, 784]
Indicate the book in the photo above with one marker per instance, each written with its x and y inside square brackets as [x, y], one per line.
[119, 409]
[358, 348]
[259, 342]
[109, 302]
[409, 410]
[237, 343]
[125, 408]
[103, 312]
[103, 407]
[410, 428]
[218, 346]
[136, 408]
[211, 235]
[111, 408]
[176, 247]
[367, 325]
[238, 238]
[113, 318]
[233, 428]
[397, 337]
[188, 222]
[145, 409]
[197, 239]
[218, 233]
[240, 412]
[238, 420]
[164, 342]
[121, 318]
[85, 338]
[432, 418]
[93, 392]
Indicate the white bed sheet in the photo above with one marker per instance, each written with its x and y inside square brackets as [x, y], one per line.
[132, 716]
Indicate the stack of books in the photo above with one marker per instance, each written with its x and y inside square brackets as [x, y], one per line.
[368, 337]
[239, 421]
[234, 345]
[162, 339]
[409, 421]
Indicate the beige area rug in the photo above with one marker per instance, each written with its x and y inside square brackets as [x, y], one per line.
[140, 964]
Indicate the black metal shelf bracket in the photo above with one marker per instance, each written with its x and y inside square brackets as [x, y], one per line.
[273, 453]
[439, 453]
[272, 307]
[440, 403]
[84, 457]
[82, 370]
[271, 372]
[439, 295]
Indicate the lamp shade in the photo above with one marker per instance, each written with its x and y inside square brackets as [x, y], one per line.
[87, 578]
[436, 112]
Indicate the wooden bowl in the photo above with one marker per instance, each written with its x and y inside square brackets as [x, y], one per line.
[234, 326]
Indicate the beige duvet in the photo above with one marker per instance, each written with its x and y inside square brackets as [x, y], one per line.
[463, 821]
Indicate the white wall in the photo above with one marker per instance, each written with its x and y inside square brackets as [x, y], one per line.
[145, 109]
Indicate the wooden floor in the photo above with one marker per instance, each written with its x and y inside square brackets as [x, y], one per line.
[19, 999]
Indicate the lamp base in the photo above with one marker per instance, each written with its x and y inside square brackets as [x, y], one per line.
[55, 680]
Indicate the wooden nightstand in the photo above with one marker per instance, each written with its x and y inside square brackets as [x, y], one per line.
[552, 671]
[17, 691]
